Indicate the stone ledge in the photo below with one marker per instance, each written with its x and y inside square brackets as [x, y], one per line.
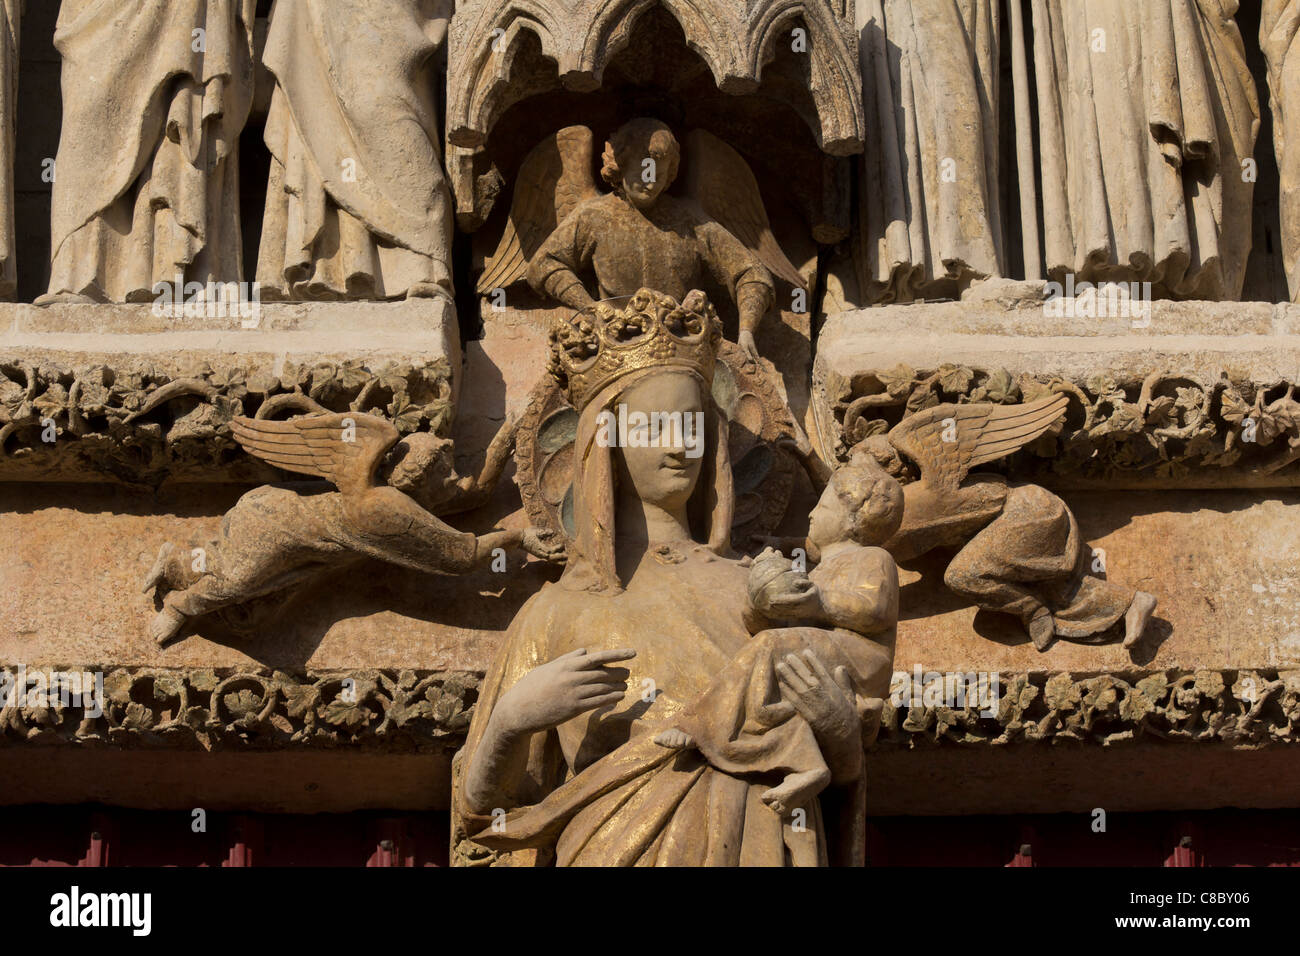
[146, 419]
[137, 327]
[403, 711]
[143, 398]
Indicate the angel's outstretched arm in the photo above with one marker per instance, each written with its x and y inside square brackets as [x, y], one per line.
[819, 473]
[498, 453]
[554, 270]
[472, 493]
[734, 266]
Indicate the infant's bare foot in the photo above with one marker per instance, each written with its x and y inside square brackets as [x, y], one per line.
[675, 739]
[796, 790]
[167, 626]
[1138, 617]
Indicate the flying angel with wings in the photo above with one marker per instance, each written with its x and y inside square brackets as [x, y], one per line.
[1018, 546]
[278, 536]
[562, 229]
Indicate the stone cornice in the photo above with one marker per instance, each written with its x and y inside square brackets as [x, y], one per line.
[417, 711]
[399, 711]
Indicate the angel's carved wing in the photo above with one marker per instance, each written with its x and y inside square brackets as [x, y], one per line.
[947, 441]
[345, 448]
[721, 182]
[553, 179]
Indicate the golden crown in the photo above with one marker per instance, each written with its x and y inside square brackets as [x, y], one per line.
[609, 340]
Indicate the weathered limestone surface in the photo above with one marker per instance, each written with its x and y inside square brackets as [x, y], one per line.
[1143, 115]
[357, 205]
[150, 162]
[319, 663]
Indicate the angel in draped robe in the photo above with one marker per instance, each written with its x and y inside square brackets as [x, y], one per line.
[11, 12]
[276, 536]
[357, 205]
[146, 189]
[561, 228]
[1019, 548]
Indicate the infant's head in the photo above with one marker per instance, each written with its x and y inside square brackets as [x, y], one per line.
[862, 503]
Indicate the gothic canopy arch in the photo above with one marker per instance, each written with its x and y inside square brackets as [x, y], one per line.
[734, 39]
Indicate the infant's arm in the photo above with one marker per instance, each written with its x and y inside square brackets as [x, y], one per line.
[861, 593]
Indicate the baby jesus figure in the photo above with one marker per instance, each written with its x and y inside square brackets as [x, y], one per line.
[845, 611]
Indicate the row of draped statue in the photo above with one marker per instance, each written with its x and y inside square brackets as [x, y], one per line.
[1134, 129]
[1129, 142]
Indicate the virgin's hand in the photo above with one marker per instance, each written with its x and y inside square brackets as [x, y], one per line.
[746, 341]
[827, 702]
[560, 690]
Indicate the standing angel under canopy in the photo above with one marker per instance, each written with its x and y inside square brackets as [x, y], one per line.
[562, 228]
[277, 537]
[1019, 550]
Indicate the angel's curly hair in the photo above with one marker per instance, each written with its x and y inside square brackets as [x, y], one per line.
[872, 497]
[652, 135]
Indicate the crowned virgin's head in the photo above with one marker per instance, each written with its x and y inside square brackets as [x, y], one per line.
[650, 357]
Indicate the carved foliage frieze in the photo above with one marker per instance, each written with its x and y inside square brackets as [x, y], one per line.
[1241, 708]
[208, 709]
[425, 711]
[1166, 429]
[141, 423]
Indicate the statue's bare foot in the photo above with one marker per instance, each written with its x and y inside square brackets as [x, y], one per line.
[1138, 617]
[159, 569]
[167, 626]
[675, 739]
[1042, 629]
[65, 298]
[796, 790]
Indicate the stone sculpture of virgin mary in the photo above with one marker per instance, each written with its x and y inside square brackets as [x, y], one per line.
[561, 758]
